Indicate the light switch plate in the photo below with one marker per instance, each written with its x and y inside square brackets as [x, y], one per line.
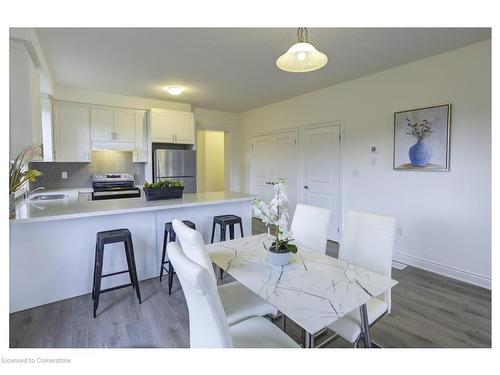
[374, 149]
[64, 175]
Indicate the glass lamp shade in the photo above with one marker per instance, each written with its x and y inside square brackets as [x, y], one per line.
[300, 58]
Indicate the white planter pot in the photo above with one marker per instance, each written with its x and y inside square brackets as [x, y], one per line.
[278, 259]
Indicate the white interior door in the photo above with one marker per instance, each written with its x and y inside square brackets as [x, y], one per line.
[262, 166]
[321, 172]
[275, 156]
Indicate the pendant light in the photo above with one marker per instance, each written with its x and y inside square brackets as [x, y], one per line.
[302, 57]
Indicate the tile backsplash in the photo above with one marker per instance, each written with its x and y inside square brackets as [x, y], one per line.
[79, 174]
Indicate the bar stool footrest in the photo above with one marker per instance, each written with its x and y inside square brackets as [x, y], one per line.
[115, 273]
[116, 288]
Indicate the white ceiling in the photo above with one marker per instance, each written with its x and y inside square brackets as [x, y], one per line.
[230, 69]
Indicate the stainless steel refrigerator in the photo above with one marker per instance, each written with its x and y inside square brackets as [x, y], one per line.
[176, 164]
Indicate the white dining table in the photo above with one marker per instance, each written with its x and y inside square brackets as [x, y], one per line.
[314, 290]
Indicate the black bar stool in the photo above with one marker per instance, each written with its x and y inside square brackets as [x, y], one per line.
[170, 236]
[225, 221]
[109, 237]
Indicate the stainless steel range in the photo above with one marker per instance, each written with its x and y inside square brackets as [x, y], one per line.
[114, 186]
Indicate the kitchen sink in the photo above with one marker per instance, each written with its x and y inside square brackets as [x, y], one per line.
[48, 197]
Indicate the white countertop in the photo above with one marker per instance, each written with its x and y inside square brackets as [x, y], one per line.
[70, 208]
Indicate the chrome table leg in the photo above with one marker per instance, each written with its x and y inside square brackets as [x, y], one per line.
[365, 326]
[307, 339]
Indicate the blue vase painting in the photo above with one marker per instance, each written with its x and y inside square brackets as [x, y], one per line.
[420, 154]
[421, 139]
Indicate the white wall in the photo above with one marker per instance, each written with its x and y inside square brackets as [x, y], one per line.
[29, 38]
[115, 100]
[25, 116]
[230, 123]
[445, 217]
[210, 161]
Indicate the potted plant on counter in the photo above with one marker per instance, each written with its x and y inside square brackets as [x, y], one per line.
[166, 189]
[20, 175]
[275, 214]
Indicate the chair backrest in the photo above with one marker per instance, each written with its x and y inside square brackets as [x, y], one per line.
[193, 246]
[208, 327]
[368, 241]
[310, 226]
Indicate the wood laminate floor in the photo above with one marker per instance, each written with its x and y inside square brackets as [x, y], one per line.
[428, 310]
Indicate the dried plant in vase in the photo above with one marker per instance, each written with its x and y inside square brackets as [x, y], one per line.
[420, 152]
[19, 175]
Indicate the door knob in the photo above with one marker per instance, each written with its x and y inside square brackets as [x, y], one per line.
[306, 187]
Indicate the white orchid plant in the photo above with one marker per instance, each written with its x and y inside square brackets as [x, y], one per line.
[275, 214]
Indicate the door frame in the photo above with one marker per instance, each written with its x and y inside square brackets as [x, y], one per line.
[302, 129]
[228, 156]
[273, 132]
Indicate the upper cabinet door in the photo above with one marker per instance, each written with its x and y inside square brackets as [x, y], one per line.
[184, 126]
[124, 126]
[71, 133]
[101, 124]
[162, 126]
[172, 126]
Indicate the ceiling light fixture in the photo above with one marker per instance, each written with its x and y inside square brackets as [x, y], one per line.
[302, 57]
[175, 90]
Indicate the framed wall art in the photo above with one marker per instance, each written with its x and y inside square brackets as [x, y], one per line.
[422, 139]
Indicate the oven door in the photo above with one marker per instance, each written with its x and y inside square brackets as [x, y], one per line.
[115, 194]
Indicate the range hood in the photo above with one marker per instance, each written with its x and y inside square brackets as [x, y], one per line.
[112, 146]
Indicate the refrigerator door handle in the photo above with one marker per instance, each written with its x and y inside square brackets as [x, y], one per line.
[159, 166]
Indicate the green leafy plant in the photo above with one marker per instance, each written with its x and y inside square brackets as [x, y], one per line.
[172, 184]
[19, 175]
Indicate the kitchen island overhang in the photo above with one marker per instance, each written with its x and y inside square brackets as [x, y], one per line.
[52, 250]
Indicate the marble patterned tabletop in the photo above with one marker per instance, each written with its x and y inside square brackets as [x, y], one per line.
[313, 290]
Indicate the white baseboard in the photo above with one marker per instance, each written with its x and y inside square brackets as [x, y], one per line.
[441, 269]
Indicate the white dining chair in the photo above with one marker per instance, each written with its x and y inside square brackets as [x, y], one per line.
[208, 324]
[239, 302]
[310, 226]
[367, 241]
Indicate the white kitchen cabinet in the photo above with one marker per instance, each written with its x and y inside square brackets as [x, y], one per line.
[101, 124]
[141, 138]
[72, 133]
[124, 126]
[172, 126]
[112, 125]
[184, 130]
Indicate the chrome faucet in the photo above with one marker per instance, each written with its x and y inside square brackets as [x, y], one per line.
[28, 194]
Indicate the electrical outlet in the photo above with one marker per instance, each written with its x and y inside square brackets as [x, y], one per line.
[64, 175]
[374, 149]
[399, 231]
[374, 161]
[355, 173]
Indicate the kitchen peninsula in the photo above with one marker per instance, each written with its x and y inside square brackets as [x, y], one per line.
[52, 243]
